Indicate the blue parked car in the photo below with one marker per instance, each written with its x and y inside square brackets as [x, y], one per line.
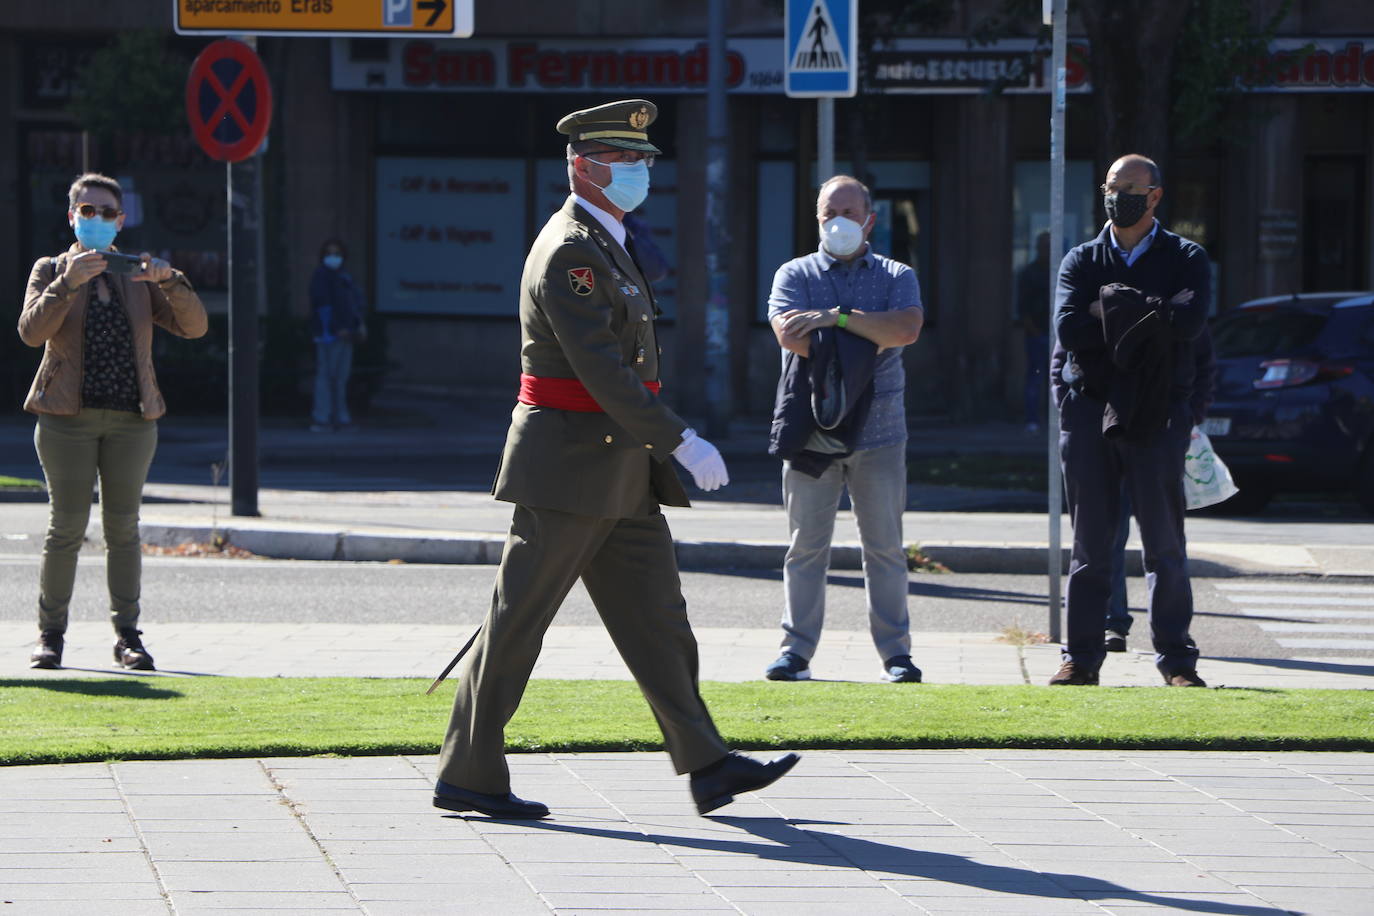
[1294, 406]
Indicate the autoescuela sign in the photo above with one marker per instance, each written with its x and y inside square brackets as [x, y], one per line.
[1315, 65]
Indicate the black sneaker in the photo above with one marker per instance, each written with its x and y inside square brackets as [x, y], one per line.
[1115, 641]
[129, 651]
[899, 670]
[789, 667]
[47, 653]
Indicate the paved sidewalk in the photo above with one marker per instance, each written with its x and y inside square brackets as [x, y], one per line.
[877, 832]
[727, 654]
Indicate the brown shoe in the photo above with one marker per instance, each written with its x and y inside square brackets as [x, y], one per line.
[1187, 678]
[1071, 675]
[48, 651]
[129, 650]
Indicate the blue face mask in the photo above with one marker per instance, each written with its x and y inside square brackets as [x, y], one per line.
[629, 183]
[333, 261]
[95, 232]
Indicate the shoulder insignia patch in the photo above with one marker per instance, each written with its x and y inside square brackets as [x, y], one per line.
[581, 280]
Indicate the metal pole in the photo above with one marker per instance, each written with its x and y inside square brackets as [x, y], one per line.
[718, 394]
[243, 378]
[825, 139]
[1059, 15]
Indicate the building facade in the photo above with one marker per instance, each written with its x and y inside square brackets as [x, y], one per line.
[436, 162]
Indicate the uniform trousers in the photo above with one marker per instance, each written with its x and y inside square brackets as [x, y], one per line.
[117, 447]
[1152, 470]
[629, 568]
[876, 479]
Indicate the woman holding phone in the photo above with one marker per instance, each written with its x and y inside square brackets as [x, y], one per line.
[96, 397]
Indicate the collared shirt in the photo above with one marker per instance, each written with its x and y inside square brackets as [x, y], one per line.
[869, 283]
[1130, 257]
[608, 222]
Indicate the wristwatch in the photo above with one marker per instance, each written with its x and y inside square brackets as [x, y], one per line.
[843, 318]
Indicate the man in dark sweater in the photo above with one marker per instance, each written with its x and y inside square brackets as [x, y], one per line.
[1101, 455]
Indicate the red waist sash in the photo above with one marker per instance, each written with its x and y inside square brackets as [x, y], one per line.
[563, 393]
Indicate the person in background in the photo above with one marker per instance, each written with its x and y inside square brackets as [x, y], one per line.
[648, 255]
[97, 402]
[336, 309]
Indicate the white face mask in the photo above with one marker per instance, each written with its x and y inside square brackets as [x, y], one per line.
[841, 236]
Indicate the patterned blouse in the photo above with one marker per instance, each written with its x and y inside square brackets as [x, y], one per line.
[109, 380]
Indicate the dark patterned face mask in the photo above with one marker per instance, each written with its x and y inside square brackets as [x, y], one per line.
[1124, 210]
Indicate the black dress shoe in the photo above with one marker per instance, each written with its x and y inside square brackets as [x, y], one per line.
[719, 783]
[48, 652]
[453, 798]
[130, 652]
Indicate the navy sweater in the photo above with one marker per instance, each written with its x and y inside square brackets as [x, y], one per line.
[1171, 264]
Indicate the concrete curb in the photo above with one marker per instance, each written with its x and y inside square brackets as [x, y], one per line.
[288, 542]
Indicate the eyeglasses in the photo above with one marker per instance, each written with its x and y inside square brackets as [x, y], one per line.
[1106, 190]
[89, 211]
[624, 157]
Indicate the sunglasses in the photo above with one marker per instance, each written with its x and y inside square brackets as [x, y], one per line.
[90, 211]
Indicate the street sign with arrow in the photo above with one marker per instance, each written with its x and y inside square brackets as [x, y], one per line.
[343, 18]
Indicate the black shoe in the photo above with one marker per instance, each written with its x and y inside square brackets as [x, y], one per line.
[719, 783]
[789, 667]
[47, 653]
[129, 651]
[1071, 675]
[899, 670]
[453, 798]
[1186, 678]
[1115, 641]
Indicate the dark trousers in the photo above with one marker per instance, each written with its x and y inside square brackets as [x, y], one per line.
[1118, 609]
[1037, 368]
[1152, 470]
[629, 568]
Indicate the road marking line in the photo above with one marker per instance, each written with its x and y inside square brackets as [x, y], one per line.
[1364, 644]
[1317, 601]
[1314, 612]
[1316, 628]
[1295, 587]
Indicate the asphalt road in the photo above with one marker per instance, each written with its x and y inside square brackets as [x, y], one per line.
[1234, 618]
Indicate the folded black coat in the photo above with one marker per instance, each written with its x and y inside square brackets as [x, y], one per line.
[1140, 343]
[829, 391]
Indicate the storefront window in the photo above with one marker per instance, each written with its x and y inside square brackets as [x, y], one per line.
[450, 235]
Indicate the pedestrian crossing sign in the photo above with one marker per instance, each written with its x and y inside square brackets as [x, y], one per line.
[820, 39]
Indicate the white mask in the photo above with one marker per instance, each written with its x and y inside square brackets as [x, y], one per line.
[841, 236]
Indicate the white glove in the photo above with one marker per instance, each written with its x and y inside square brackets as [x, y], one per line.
[702, 461]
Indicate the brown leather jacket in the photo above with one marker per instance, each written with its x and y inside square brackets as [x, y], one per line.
[54, 318]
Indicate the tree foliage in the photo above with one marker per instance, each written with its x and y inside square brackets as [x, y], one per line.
[136, 83]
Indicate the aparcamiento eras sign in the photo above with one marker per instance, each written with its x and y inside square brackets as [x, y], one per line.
[359, 18]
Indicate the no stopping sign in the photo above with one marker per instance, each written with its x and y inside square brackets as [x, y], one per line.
[228, 101]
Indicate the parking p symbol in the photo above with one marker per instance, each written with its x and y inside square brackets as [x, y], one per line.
[396, 13]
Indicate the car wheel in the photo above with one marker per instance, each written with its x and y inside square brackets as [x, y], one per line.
[1251, 500]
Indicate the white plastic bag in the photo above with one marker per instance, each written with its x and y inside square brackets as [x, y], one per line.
[1206, 480]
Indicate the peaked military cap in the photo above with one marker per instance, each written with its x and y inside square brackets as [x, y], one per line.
[622, 124]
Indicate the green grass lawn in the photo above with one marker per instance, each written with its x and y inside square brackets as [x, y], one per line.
[69, 719]
[10, 483]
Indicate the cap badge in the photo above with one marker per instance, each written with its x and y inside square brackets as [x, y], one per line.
[639, 119]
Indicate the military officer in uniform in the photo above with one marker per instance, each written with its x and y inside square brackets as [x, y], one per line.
[586, 464]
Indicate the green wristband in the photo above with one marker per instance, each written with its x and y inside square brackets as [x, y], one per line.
[842, 320]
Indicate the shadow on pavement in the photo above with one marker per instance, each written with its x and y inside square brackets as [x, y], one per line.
[133, 689]
[1294, 664]
[789, 841]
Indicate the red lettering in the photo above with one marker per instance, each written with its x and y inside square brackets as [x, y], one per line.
[696, 66]
[551, 70]
[1368, 69]
[416, 61]
[636, 70]
[605, 68]
[734, 68]
[1316, 69]
[1345, 70]
[667, 69]
[1076, 66]
[521, 60]
[577, 68]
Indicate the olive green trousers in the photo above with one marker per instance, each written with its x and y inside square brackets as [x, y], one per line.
[116, 447]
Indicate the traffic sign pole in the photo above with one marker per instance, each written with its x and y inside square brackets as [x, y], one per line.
[1059, 17]
[825, 140]
[229, 105]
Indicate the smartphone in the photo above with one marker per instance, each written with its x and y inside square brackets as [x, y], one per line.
[117, 263]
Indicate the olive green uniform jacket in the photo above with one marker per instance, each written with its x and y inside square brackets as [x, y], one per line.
[587, 313]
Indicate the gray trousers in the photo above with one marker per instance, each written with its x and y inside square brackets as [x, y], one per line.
[333, 363]
[876, 479]
[1095, 469]
[629, 568]
[117, 447]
